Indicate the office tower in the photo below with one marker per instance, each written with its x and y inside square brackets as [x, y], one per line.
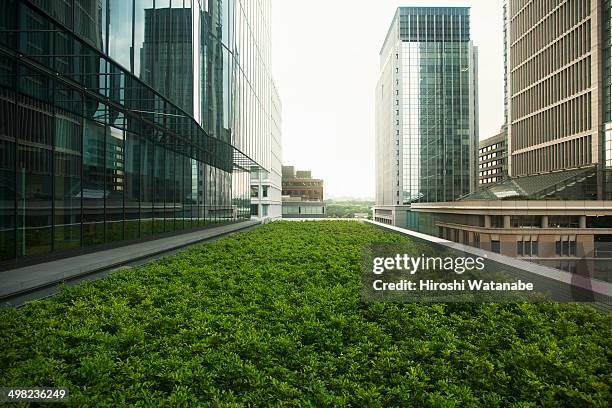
[554, 207]
[426, 108]
[124, 120]
[558, 55]
[492, 159]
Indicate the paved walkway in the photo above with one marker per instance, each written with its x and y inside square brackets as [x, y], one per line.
[15, 281]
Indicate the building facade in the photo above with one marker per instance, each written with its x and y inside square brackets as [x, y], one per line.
[569, 235]
[123, 120]
[492, 160]
[558, 55]
[426, 109]
[555, 206]
[302, 194]
[266, 186]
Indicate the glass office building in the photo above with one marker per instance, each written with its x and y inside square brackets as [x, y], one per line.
[426, 115]
[122, 120]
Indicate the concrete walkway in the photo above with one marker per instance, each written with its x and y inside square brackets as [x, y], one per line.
[20, 280]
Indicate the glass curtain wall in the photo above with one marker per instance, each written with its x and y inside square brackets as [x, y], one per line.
[435, 103]
[110, 149]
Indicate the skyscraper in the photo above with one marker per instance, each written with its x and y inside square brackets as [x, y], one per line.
[122, 120]
[559, 77]
[554, 207]
[426, 109]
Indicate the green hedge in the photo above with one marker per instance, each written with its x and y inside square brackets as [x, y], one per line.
[272, 316]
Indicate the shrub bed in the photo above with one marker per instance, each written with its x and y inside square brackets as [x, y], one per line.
[273, 317]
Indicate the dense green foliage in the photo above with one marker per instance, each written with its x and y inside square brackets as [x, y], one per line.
[347, 209]
[273, 316]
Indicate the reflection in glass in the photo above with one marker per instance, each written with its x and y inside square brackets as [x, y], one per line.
[146, 186]
[141, 70]
[178, 192]
[120, 32]
[7, 178]
[166, 58]
[159, 189]
[79, 170]
[435, 121]
[67, 167]
[94, 191]
[132, 185]
[90, 21]
[8, 22]
[115, 184]
[33, 200]
[170, 190]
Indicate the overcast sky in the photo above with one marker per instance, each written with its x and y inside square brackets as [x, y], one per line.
[325, 64]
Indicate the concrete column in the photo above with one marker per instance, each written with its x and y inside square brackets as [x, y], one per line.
[487, 221]
[507, 244]
[546, 246]
[545, 221]
[585, 245]
[485, 242]
[582, 221]
[506, 221]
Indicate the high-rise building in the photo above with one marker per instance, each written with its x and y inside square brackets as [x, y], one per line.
[426, 110]
[122, 120]
[492, 159]
[606, 83]
[554, 207]
[558, 70]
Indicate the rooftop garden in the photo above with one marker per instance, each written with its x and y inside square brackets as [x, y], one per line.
[273, 316]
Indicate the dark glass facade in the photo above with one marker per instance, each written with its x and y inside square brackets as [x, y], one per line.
[116, 122]
[436, 105]
[426, 108]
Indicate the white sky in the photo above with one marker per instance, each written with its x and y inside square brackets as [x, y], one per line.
[325, 64]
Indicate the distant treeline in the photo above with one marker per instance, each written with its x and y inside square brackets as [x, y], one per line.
[347, 209]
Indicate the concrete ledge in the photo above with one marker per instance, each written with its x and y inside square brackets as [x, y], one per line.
[15, 281]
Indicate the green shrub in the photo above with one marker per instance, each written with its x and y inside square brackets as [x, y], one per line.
[273, 317]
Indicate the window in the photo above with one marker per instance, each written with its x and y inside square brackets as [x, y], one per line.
[527, 247]
[526, 221]
[115, 184]
[85, 25]
[565, 246]
[67, 194]
[495, 247]
[94, 190]
[497, 221]
[264, 191]
[120, 31]
[563, 221]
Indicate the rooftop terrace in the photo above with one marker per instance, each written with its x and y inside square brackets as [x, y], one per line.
[274, 316]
